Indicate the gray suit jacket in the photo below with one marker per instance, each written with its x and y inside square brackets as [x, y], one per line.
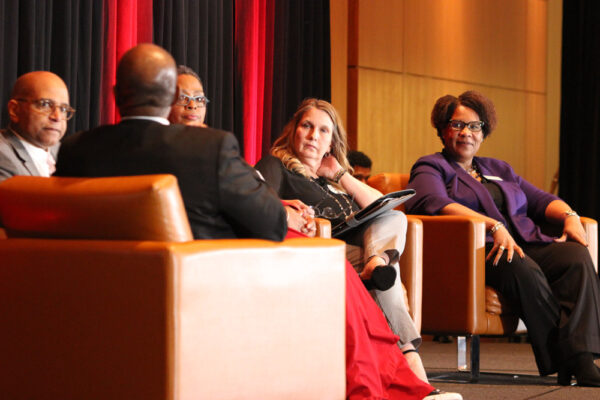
[14, 159]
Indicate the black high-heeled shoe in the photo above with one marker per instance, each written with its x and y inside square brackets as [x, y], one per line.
[384, 276]
[583, 368]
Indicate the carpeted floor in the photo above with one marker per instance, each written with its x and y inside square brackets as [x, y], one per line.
[508, 372]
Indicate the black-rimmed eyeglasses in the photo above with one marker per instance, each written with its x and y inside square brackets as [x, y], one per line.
[47, 106]
[184, 100]
[473, 126]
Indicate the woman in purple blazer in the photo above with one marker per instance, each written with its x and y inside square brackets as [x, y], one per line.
[550, 281]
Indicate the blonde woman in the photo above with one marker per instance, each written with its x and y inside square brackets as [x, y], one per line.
[308, 162]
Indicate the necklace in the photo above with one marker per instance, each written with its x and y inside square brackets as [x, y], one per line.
[474, 171]
[342, 209]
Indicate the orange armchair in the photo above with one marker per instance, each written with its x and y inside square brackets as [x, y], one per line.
[411, 269]
[456, 300]
[104, 294]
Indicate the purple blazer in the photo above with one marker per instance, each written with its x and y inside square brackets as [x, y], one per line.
[440, 181]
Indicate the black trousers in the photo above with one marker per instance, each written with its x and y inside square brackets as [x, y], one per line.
[556, 292]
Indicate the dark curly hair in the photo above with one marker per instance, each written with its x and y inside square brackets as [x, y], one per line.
[445, 106]
[359, 159]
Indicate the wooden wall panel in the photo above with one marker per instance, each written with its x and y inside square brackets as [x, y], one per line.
[339, 55]
[553, 91]
[380, 42]
[410, 52]
[537, 170]
[498, 43]
[379, 117]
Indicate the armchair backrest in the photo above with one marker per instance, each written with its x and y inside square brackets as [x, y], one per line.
[97, 300]
[145, 207]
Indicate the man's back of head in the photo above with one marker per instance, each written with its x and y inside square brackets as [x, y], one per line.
[146, 81]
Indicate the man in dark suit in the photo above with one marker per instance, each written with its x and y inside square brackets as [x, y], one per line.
[38, 110]
[223, 196]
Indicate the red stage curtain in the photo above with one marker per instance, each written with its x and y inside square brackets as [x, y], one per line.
[254, 52]
[126, 23]
[268, 65]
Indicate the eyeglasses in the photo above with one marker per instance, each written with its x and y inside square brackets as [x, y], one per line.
[323, 211]
[326, 212]
[184, 100]
[47, 106]
[474, 126]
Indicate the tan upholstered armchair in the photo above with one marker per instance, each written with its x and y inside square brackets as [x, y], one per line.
[104, 295]
[456, 300]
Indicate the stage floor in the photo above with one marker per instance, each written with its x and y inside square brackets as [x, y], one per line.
[508, 372]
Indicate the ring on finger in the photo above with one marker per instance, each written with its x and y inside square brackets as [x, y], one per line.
[502, 248]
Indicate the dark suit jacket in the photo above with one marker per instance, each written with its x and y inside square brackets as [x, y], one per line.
[14, 159]
[223, 196]
[440, 181]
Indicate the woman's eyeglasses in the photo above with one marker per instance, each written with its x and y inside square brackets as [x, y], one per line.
[473, 126]
[184, 100]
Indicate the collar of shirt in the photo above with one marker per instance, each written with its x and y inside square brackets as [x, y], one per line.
[37, 154]
[160, 120]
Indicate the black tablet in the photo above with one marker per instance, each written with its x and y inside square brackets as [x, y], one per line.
[379, 206]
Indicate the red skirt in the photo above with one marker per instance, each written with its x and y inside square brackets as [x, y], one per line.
[375, 365]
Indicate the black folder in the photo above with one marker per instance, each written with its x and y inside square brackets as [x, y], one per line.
[379, 206]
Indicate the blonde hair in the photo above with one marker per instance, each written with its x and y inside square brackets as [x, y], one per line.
[283, 148]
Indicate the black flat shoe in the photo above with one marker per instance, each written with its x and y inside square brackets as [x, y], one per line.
[584, 370]
[384, 277]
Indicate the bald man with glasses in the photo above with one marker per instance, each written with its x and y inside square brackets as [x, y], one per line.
[38, 110]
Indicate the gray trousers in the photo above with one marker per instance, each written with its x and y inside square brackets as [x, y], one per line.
[387, 231]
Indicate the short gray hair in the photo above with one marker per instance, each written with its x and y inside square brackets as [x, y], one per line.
[185, 70]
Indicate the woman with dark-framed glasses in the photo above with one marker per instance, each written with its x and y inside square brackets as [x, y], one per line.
[549, 281]
[308, 162]
[190, 107]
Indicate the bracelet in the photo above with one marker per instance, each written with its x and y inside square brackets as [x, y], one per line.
[571, 213]
[339, 175]
[496, 226]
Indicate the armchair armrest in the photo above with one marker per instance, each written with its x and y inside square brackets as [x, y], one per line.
[453, 274]
[411, 268]
[591, 229]
[323, 228]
